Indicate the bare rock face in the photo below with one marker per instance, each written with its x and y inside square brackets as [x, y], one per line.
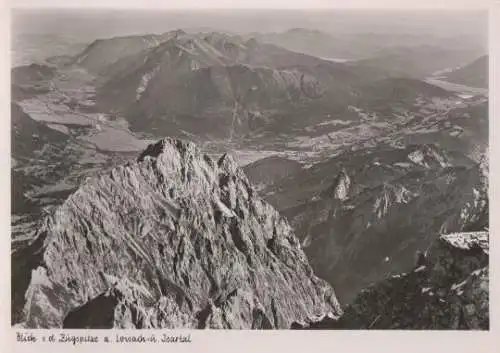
[447, 289]
[341, 187]
[395, 206]
[173, 240]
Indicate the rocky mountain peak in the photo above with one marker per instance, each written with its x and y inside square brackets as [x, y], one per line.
[169, 148]
[341, 186]
[176, 33]
[227, 163]
[389, 196]
[484, 165]
[172, 240]
[428, 156]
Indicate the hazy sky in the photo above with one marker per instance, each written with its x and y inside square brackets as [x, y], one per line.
[105, 23]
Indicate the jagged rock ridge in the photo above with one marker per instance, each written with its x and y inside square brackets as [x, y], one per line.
[447, 289]
[361, 216]
[173, 240]
[339, 190]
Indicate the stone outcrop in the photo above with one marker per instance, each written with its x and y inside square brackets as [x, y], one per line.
[362, 228]
[173, 240]
[448, 289]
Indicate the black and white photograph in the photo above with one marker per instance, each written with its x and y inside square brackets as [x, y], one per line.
[249, 169]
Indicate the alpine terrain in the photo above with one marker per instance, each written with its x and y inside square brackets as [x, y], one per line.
[256, 170]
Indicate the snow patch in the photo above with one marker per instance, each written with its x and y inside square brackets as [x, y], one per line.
[334, 122]
[61, 128]
[456, 286]
[417, 157]
[478, 272]
[419, 269]
[143, 85]
[466, 240]
[402, 165]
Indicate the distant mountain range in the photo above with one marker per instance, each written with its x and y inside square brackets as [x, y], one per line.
[357, 46]
[30, 80]
[407, 61]
[365, 204]
[474, 74]
[219, 86]
[216, 83]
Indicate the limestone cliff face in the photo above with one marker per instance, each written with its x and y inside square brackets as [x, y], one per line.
[173, 240]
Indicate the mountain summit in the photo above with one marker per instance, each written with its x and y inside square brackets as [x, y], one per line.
[173, 240]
